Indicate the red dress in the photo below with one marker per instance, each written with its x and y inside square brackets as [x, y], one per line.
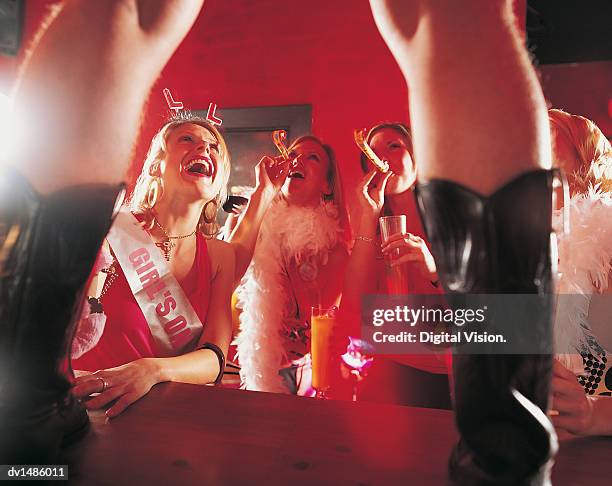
[127, 336]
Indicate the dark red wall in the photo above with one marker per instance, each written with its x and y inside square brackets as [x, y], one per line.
[244, 53]
[34, 13]
[581, 88]
[325, 53]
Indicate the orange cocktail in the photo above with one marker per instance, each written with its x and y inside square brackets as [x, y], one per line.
[322, 325]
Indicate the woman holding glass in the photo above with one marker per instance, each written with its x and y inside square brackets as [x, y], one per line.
[376, 264]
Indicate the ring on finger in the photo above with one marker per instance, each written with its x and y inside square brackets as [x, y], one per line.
[104, 384]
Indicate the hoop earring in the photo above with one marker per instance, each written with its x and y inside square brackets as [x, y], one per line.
[155, 190]
[209, 219]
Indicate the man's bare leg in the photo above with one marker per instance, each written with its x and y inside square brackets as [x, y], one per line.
[479, 120]
[478, 114]
[82, 90]
[81, 93]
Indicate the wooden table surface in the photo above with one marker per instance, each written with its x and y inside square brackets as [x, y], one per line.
[188, 434]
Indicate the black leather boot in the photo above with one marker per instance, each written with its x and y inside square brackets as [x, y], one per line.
[497, 245]
[48, 246]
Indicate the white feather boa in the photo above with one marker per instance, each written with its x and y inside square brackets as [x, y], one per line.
[287, 234]
[585, 260]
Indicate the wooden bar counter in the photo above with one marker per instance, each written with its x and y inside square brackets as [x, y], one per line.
[188, 434]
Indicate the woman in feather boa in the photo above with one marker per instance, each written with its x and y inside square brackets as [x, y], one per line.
[582, 381]
[299, 262]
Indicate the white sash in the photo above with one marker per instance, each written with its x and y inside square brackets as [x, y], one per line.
[173, 322]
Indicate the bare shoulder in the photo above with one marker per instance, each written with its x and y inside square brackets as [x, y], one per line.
[221, 253]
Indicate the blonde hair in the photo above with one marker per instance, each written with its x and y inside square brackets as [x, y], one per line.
[335, 183]
[592, 148]
[152, 171]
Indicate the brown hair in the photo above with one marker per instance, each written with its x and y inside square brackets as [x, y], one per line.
[402, 129]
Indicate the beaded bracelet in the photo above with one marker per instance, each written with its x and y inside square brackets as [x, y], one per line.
[367, 239]
[220, 356]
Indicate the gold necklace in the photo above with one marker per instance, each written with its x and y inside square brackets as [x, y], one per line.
[166, 245]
